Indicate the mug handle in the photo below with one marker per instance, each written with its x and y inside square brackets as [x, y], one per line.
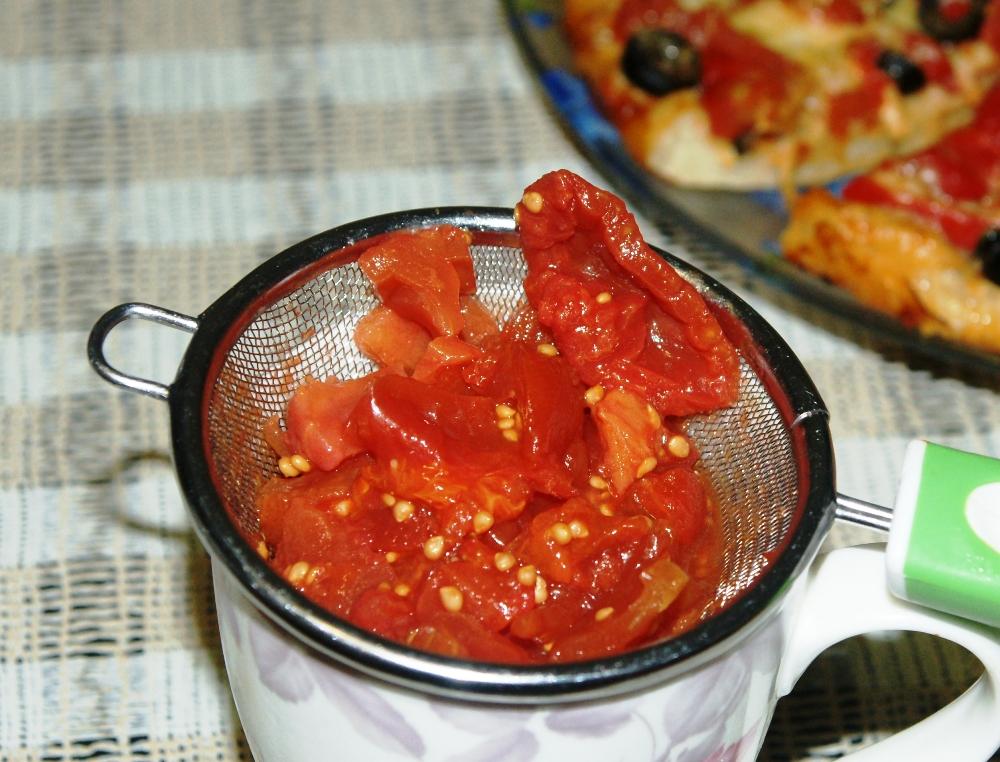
[845, 594]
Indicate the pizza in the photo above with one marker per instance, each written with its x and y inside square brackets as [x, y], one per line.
[742, 94]
[918, 236]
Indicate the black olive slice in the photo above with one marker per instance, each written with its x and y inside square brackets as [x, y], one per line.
[660, 61]
[988, 253]
[907, 76]
[946, 27]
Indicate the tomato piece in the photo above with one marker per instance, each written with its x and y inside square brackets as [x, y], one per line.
[306, 534]
[631, 434]
[543, 624]
[547, 402]
[860, 104]
[676, 497]
[462, 636]
[662, 582]
[383, 612]
[318, 420]
[746, 88]
[990, 31]
[391, 341]
[929, 55]
[479, 323]
[964, 166]
[407, 419]
[559, 559]
[322, 490]
[577, 225]
[441, 354]
[415, 275]
[492, 597]
[590, 331]
[452, 245]
[348, 569]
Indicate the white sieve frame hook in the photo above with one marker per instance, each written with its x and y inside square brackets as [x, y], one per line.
[133, 311]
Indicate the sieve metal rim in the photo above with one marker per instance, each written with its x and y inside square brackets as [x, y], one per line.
[188, 399]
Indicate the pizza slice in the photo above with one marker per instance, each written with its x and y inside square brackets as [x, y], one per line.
[744, 94]
[917, 237]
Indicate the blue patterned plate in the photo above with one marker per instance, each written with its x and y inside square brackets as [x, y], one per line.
[745, 225]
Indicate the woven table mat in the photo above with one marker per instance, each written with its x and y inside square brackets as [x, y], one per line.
[156, 152]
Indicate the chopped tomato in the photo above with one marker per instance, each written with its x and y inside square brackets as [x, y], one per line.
[479, 323]
[662, 582]
[686, 364]
[383, 611]
[519, 498]
[415, 274]
[404, 418]
[746, 88]
[318, 424]
[631, 433]
[675, 496]
[322, 490]
[444, 352]
[860, 104]
[561, 557]
[546, 411]
[391, 341]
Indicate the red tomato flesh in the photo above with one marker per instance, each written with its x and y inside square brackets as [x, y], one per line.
[519, 495]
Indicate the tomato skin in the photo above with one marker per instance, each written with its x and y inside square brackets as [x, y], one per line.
[406, 419]
[441, 354]
[414, 274]
[579, 222]
[675, 496]
[391, 341]
[318, 420]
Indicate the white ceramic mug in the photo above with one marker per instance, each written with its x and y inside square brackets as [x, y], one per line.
[297, 705]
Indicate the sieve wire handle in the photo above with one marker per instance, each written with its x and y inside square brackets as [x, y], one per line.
[129, 311]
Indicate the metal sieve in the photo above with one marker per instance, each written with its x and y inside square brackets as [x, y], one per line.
[768, 458]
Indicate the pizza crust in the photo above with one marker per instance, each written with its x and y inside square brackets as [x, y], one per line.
[897, 264]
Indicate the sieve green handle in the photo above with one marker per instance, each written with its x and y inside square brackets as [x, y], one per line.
[944, 542]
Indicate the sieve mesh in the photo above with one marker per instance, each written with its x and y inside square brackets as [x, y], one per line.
[746, 450]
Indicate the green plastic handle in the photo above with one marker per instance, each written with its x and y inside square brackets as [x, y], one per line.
[944, 543]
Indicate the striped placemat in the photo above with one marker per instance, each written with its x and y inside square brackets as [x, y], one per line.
[156, 152]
